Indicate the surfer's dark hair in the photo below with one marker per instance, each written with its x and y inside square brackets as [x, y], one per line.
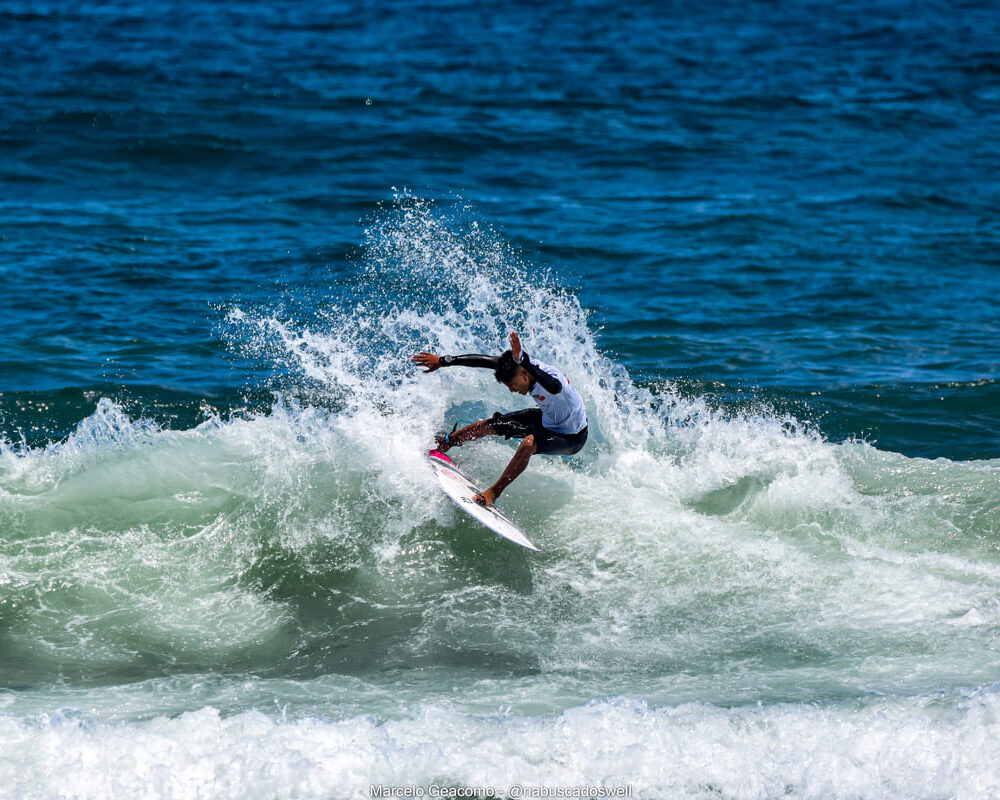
[506, 368]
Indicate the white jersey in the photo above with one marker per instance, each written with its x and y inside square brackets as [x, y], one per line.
[562, 412]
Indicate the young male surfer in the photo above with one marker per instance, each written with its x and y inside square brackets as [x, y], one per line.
[558, 427]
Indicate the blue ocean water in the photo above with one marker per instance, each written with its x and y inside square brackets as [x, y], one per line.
[762, 239]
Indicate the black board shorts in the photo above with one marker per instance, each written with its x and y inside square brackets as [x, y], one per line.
[528, 422]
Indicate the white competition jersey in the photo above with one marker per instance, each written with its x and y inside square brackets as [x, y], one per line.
[563, 412]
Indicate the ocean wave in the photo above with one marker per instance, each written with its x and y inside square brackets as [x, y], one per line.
[688, 539]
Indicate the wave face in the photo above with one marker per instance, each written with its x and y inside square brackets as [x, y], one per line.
[283, 603]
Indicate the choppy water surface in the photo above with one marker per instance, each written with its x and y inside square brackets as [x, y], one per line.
[761, 241]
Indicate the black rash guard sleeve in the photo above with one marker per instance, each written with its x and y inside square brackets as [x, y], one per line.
[470, 360]
[549, 383]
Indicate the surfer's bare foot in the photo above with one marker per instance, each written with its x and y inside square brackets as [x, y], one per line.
[442, 443]
[486, 498]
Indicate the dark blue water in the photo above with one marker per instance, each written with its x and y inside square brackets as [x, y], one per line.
[752, 233]
[792, 201]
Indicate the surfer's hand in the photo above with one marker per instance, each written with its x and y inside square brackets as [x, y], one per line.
[486, 498]
[429, 361]
[515, 347]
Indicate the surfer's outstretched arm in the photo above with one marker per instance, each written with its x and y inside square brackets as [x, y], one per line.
[431, 362]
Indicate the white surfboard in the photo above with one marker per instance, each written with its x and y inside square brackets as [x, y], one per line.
[461, 490]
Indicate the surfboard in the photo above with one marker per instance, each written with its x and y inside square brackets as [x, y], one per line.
[461, 490]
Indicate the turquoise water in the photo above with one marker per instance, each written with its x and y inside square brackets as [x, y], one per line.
[761, 242]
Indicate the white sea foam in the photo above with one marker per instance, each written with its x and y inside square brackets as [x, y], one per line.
[920, 747]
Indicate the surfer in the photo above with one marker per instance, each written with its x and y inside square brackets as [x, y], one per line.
[558, 427]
